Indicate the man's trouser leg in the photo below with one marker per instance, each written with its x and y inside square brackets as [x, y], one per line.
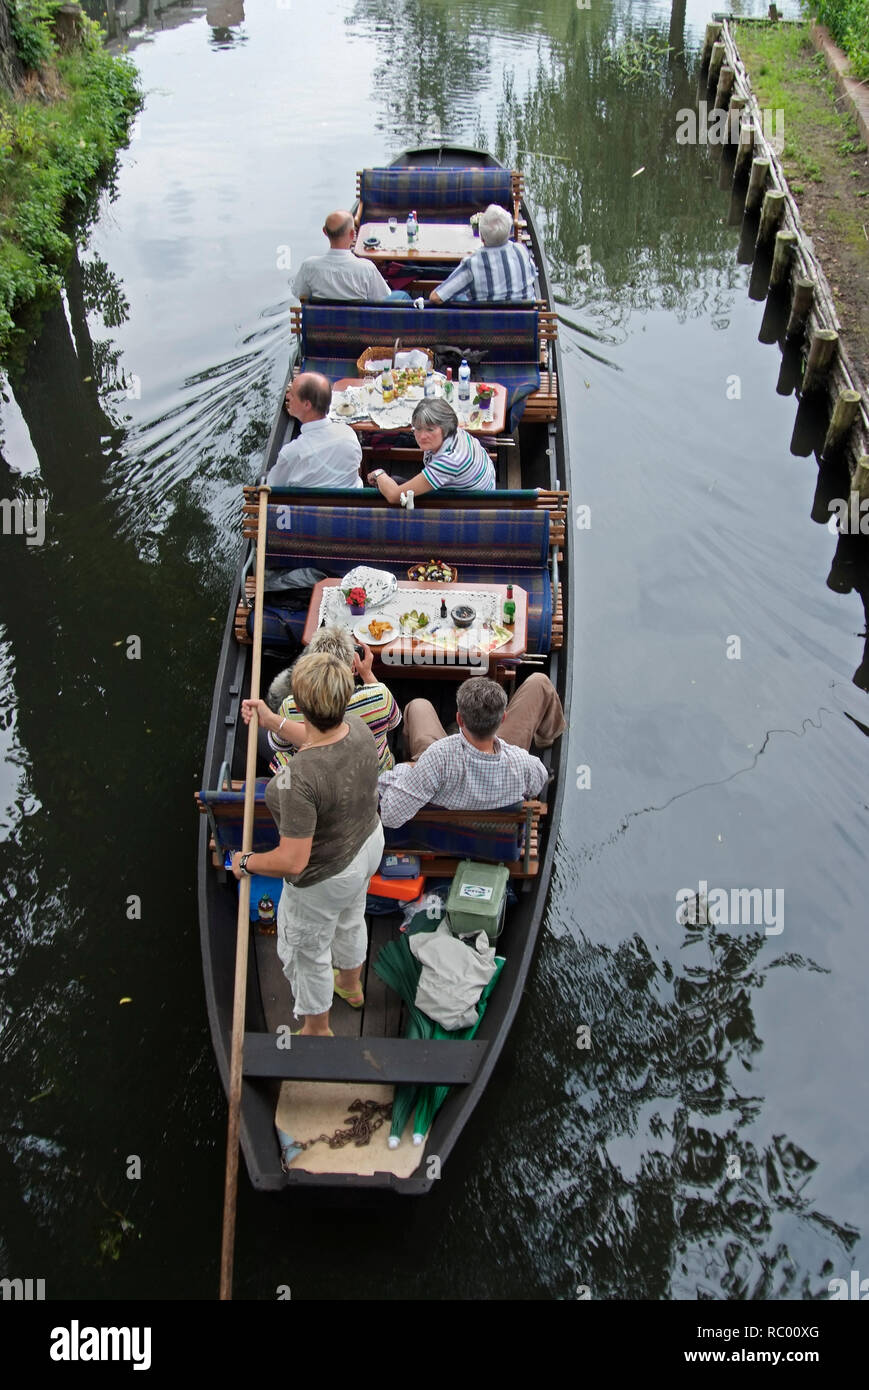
[534, 712]
[421, 727]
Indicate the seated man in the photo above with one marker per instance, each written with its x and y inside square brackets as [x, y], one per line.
[327, 452]
[340, 274]
[502, 270]
[474, 770]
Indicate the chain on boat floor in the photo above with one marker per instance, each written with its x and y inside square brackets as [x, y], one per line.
[307, 1109]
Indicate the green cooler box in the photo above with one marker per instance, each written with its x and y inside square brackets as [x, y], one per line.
[477, 899]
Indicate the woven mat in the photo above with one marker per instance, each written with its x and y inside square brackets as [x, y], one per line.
[308, 1108]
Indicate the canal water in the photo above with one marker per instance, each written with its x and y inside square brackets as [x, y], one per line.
[681, 1111]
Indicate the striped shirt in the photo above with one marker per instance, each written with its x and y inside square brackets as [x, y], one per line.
[373, 703]
[461, 462]
[493, 273]
[454, 774]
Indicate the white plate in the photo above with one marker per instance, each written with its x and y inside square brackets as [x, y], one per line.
[363, 635]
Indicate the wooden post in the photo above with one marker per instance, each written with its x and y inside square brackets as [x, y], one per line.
[771, 215]
[743, 153]
[756, 183]
[785, 245]
[713, 33]
[726, 79]
[860, 480]
[737, 106]
[801, 307]
[718, 51]
[844, 414]
[820, 361]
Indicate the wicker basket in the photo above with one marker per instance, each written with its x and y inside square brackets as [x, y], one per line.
[412, 574]
[379, 354]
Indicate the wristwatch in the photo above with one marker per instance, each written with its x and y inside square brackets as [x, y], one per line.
[242, 863]
[375, 473]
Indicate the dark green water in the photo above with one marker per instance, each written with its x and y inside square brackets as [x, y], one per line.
[712, 1141]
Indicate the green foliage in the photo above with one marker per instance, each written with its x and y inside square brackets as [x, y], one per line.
[638, 55]
[52, 153]
[31, 25]
[848, 22]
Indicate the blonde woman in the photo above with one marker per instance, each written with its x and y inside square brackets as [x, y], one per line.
[372, 701]
[331, 841]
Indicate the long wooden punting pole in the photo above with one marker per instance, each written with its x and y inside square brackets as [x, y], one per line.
[243, 928]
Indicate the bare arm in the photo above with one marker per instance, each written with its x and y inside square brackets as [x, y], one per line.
[392, 490]
[289, 859]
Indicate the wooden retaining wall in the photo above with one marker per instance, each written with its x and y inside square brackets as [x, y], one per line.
[785, 268]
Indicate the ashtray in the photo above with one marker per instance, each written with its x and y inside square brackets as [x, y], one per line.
[464, 615]
[371, 241]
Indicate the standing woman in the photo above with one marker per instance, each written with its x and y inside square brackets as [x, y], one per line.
[331, 842]
[451, 456]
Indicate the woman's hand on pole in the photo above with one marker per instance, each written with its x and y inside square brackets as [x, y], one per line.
[263, 713]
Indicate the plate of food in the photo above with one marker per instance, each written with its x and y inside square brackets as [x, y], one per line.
[377, 632]
[433, 572]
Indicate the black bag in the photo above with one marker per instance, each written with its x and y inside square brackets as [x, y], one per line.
[291, 588]
[446, 356]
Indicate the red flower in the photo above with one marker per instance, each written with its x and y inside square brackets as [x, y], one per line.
[356, 597]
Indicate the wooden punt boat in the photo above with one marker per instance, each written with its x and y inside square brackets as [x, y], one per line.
[369, 1046]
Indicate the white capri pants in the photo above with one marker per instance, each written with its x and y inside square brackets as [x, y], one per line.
[324, 925]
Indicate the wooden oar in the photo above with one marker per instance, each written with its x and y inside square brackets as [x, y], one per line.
[243, 929]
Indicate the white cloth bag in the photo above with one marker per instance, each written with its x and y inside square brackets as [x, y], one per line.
[454, 975]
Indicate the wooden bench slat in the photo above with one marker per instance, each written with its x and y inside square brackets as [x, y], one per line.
[441, 1062]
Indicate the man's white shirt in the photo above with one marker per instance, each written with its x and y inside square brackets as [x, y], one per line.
[325, 454]
[340, 275]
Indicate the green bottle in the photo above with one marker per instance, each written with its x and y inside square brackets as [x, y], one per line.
[509, 607]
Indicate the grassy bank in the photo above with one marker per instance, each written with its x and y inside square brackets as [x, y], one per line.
[58, 135]
[824, 160]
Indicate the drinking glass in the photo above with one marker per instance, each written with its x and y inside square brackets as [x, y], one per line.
[393, 226]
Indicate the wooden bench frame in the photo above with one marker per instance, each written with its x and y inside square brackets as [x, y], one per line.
[435, 864]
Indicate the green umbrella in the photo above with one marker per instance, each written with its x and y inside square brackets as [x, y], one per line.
[398, 967]
[431, 1098]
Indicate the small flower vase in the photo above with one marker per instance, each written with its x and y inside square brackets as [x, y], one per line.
[485, 408]
[357, 609]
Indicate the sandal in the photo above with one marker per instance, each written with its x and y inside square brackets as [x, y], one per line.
[354, 997]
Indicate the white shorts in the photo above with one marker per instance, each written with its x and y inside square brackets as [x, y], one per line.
[324, 925]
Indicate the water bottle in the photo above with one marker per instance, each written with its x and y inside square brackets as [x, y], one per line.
[464, 381]
[429, 389]
[412, 228]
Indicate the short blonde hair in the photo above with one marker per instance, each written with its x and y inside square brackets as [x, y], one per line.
[322, 689]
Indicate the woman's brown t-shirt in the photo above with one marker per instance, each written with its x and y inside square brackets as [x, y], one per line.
[329, 792]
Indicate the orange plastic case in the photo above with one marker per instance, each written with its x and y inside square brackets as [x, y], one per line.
[404, 889]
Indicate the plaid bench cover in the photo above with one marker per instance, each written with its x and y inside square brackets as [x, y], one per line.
[437, 195]
[334, 336]
[478, 840]
[225, 811]
[489, 547]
